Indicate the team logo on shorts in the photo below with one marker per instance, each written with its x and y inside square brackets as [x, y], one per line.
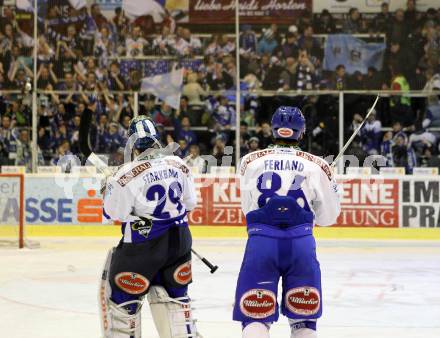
[285, 132]
[303, 301]
[183, 273]
[132, 283]
[143, 227]
[258, 303]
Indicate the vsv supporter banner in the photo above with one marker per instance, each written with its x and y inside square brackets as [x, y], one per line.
[251, 11]
[355, 54]
[406, 201]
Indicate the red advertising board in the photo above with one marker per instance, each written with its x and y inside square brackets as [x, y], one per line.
[251, 11]
[218, 202]
[365, 203]
[369, 203]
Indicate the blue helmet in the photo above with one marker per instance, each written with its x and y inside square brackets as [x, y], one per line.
[146, 130]
[288, 123]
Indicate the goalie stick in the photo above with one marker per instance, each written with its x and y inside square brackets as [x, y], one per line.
[86, 150]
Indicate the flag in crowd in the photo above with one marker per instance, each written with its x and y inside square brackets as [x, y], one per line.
[167, 86]
[355, 54]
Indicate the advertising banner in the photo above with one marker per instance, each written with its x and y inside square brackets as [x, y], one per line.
[420, 202]
[369, 203]
[404, 201]
[63, 200]
[368, 6]
[251, 11]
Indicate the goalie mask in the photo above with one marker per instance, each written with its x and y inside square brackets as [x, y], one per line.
[146, 132]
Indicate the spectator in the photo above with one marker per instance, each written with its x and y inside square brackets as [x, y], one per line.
[339, 81]
[164, 44]
[182, 150]
[112, 139]
[290, 46]
[222, 156]
[432, 118]
[194, 160]
[272, 80]
[400, 105]
[411, 16]
[115, 80]
[402, 155]
[324, 23]
[183, 131]
[194, 91]
[352, 24]
[136, 44]
[383, 20]
[104, 46]
[399, 29]
[24, 152]
[289, 73]
[98, 17]
[267, 43]
[46, 78]
[186, 44]
[8, 140]
[420, 140]
[430, 160]
[265, 135]
[248, 39]
[163, 115]
[253, 144]
[224, 114]
[309, 43]
[120, 21]
[305, 73]
[219, 79]
[371, 134]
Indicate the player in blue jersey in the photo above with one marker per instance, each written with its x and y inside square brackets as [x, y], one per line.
[151, 197]
[284, 193]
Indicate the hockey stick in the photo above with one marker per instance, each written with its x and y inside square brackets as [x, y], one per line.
[213, 268]
[86, 150]
[347, 144]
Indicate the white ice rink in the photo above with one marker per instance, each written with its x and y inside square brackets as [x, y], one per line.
[371, 289]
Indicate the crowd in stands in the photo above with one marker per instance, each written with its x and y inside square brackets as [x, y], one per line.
[110, 56]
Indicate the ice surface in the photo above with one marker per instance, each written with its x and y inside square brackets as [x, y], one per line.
[372, 289]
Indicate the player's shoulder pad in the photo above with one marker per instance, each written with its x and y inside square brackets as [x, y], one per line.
[255, 155]
[178, 163]
[318, 161]
[129, 171]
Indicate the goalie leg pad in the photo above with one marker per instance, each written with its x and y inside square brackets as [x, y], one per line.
[120, 312]
[172, 316]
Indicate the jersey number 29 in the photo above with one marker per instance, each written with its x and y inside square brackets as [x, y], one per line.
[158, 193]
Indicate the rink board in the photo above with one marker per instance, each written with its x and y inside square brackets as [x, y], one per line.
[228, 232]
[396, 207]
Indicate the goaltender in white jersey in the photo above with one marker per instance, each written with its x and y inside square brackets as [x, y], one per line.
[151, 197]
[158, 189]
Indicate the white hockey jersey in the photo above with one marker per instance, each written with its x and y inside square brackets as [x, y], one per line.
[287, 171]
[158, 189]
